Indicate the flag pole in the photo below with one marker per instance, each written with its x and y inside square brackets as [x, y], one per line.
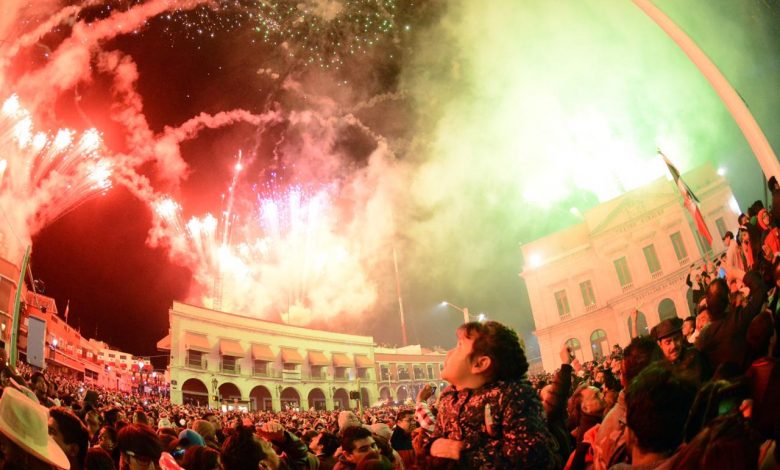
[688, 216]
[13, 353]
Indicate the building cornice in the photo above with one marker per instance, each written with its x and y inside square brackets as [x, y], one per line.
[256, 325]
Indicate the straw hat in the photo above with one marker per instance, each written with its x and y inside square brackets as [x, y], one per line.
[26, 424]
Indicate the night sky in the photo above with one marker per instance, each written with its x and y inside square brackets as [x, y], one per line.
[461, 104]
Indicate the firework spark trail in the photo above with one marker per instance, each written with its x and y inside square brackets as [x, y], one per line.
[301, 252]
[293, 250]
[70, 62]
[30, 38]
[44, 177]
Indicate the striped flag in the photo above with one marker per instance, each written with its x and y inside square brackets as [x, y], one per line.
[67, 310]
[690, 201]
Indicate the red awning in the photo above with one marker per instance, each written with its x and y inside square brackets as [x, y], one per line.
[164, 344]
[363, 361]
[229, 347]
[196, 342]
[291, 356]
[341, 360]
[317, 358]
[261, 352]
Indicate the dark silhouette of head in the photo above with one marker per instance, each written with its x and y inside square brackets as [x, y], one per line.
[717, 298]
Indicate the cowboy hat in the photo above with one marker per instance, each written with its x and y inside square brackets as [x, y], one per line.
[26, 424]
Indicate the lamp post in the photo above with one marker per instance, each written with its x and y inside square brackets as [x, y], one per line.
[463, 310]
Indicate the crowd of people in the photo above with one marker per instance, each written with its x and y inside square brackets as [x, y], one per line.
[699, 392]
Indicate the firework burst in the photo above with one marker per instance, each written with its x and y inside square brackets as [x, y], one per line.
[43, 176]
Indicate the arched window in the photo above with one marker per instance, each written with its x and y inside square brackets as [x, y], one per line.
[667, 310]
[575, 347]
[599, 344]
[641, 325]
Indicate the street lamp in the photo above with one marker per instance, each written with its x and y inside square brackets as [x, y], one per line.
[463, 310]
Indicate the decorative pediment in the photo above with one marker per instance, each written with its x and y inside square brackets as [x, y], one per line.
[633, 209]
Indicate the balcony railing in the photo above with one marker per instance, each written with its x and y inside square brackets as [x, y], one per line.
[202, 364]
[657, 275]
[315, 376]
[628, 287]
[266, 373]
[234, 369]
[684, 261]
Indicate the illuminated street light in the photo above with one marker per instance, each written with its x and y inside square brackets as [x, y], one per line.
[463, 310]
[721, 171]
[54, 342]
[482, 317]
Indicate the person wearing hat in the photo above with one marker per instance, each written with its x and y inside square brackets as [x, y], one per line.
[140, 448]
[684, 359]
[24, 435]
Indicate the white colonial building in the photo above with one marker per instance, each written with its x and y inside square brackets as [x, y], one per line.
[227, 360]
[633, 252]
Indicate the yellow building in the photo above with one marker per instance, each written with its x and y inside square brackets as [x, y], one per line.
[234, 361]
[633, 252]
[224, 359]
[404, 371]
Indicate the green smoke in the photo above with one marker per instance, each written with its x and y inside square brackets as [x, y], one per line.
[527, 109]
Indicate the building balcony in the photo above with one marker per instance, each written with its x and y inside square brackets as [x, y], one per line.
[266, 374]
[685, 261]
[628, 287]
[657, 275]
[591, 307]
[291, 375]
[322, 377]
[230, 370]
[197, 365]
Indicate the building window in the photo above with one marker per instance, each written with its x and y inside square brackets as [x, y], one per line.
[641, 326]
[194, 359]
[599, 344]
[261, 368]
[667, 309]
[588, 298]
[562, 302]
[652, 259]
[318, 372]
[721, 227]
[430, 372]
[229, 364]
[679, 246]
[574, 346]
[704, 243]
[384, 372]
[290, 366]
[624, 275]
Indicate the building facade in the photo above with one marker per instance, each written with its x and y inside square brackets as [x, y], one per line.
[402, 372]
[631, 253]
[65, 351]
[234, 361]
